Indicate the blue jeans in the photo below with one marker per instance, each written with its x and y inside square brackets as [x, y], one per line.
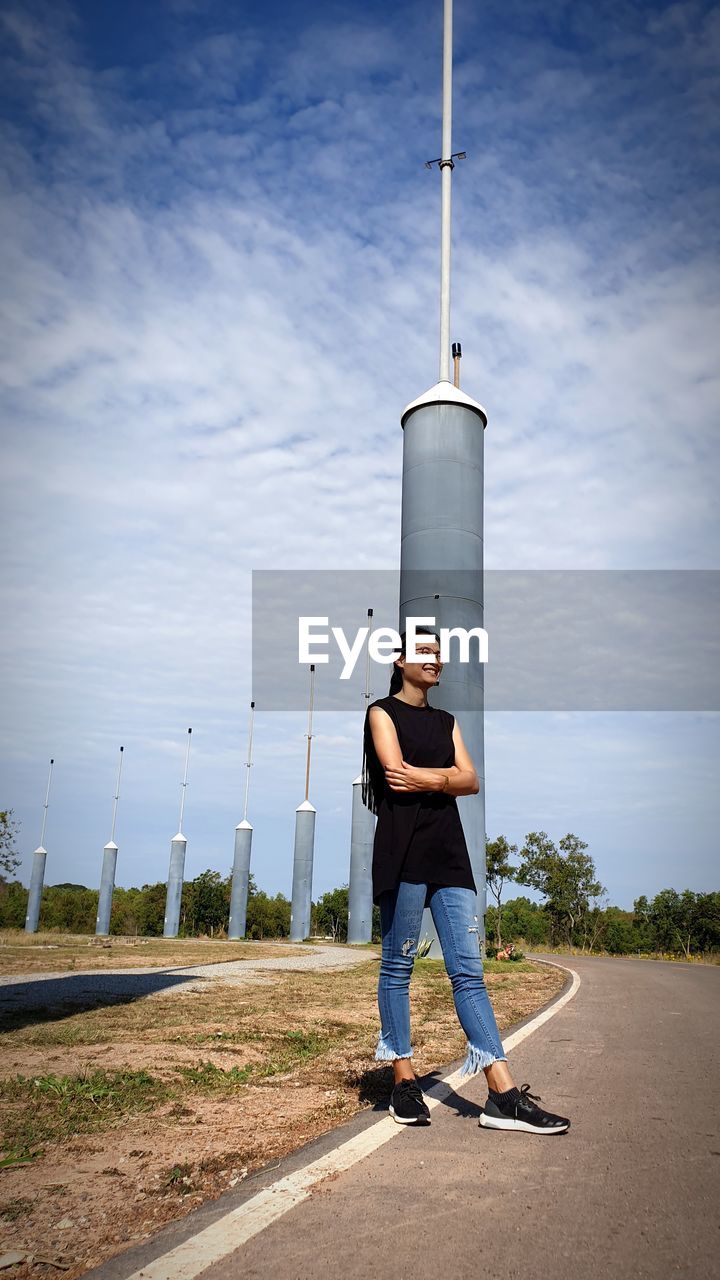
[457, 928]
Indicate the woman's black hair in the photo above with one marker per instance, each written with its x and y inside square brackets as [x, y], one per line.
[373, 774]
[396, 678]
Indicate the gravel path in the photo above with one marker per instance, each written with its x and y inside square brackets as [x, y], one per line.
[31, 991]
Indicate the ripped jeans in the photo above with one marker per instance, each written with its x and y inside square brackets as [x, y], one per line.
[457, 928]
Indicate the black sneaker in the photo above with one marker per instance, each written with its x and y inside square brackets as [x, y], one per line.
[407, 1103]
[521, 1113]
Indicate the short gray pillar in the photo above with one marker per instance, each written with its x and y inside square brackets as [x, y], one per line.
[360, 900]
[240, 880]
[37, 877]
[301, 905]
[175, 885]
[107, 884]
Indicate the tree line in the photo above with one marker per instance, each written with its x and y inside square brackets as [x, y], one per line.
[573, 910]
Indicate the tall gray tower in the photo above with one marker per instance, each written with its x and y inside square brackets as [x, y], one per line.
[441, 553]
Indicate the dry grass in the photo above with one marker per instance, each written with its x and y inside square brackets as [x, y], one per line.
[49, 952]
[146, 1109]
[703, 957]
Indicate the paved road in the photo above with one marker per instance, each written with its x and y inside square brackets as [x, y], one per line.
[630, 1191]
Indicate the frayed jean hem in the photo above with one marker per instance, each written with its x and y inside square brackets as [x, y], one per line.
[477, 1059]
[385, 1053]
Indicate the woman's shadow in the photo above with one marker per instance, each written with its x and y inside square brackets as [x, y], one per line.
[375, 1084]
[39, 1000]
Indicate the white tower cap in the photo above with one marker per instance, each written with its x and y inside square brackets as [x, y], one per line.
[444, 393]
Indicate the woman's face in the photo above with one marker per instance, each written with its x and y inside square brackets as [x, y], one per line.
[425, 673]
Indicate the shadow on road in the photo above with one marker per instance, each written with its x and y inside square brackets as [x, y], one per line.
[51, 999]
[374, 1084]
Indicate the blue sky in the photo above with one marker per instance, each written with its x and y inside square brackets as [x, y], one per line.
[220, 252]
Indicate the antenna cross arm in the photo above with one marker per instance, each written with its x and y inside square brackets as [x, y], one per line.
[441, 164]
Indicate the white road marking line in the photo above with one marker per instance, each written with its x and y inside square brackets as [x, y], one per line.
[196, 1254]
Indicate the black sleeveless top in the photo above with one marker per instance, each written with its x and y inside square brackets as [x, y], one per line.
[419, 835]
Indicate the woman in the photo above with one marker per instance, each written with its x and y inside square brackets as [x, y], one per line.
[415, 764]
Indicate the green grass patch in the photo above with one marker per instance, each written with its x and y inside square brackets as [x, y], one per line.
[51, 1108]
[212, 1079]
[306, 1044]
[292, 1049]
[42, 1109]
[296, 1048]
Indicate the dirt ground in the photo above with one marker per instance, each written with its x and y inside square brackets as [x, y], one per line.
[276, 1063]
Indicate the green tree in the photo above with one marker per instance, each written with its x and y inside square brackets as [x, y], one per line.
[565, 876]
[69, 907]
[497, 870]
[267, 917]
[150, 910]
[281, 915]
[680, 920]
[664, 914]
[207, 904]
[126, 909]
[13, 904]
[9, 860]
[521, 918]
[331, 914]
[708, 921]
[618, 935]
[644, 933]
[689, 922]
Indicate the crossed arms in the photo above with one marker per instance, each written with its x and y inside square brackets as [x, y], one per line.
[460, 779]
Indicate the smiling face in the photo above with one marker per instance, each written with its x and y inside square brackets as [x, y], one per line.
[425, 673]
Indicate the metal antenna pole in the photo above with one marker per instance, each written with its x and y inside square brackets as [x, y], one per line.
[362, 830]
[184, 785]
[249, 761]
[303, 853]
[45, 808]
[446, 168]
[116, 797]
[241, 856]
[309, 732]
[366, 695]
[367, 661]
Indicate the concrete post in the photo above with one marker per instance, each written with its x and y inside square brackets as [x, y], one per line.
[176, 873]
[107, 885]
[360, 903]
[37, 877]
[301, 905]
[240, 880]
